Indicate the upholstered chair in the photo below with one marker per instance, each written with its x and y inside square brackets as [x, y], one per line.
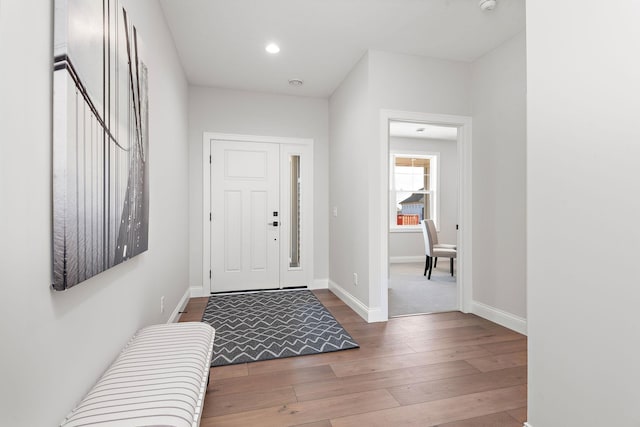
[431, 252]
[436, 245]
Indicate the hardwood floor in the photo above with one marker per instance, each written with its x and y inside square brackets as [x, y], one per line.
[447, 370]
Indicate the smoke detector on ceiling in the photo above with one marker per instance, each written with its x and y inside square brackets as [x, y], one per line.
[487, 4]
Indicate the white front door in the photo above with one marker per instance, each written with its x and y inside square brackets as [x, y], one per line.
[245, 216]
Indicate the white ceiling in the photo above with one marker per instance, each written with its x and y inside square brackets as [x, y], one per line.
[421, 130]
[221, 42]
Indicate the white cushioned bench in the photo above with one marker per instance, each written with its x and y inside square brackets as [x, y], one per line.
[159, 379]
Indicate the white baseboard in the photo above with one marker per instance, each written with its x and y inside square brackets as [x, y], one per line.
[197, 292]
[500, 317]
[375, 315]
[319, 284]
[353, 302]
[175, 315]
[527, 425]
[368, 314]
[402, 259]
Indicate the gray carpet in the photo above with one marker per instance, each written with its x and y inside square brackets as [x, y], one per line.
[411, 293]
[271, 325]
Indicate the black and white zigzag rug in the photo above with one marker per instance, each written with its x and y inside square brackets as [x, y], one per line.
[271, 325]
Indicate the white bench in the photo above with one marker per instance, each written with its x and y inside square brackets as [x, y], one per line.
[159, 379]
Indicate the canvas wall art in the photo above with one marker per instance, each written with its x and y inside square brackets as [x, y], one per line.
[100, 140]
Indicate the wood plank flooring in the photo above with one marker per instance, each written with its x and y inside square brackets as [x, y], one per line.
[447, 370]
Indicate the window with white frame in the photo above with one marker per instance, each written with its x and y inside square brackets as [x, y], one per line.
[413, 194]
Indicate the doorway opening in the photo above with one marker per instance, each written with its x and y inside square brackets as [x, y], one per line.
[380, 244]
[257, 213]
[423, 186]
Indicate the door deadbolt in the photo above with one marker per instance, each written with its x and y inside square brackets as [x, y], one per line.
[274, 223]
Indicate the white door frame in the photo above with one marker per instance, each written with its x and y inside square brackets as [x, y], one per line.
[207, 138]
[464, 272]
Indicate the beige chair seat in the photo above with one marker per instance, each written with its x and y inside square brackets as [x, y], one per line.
[444, 253]
[444, 246]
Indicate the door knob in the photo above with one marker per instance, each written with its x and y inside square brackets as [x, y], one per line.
[274, 223]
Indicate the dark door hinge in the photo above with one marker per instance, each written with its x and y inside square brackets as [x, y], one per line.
[209, 216]
[209, 274]
[209, 158]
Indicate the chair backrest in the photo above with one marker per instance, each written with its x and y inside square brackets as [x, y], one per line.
[428, 241]
[431, 226]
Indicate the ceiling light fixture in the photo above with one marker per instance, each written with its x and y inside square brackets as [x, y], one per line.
[420, 130]
[487, 4]
[296, 82]
[272, 48]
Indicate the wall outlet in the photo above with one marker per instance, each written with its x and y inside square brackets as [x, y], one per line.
[355, 279]
[162, 304]
[335, 211]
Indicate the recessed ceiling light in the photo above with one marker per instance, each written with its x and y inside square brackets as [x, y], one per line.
[272, 48]
[296, 82]
[487, 4]
[420, 130]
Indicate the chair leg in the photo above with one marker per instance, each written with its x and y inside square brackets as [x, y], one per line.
[451, 266]
[426, 265]
[435, 262]
[430, 268]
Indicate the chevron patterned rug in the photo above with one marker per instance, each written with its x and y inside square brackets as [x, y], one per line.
[271, 325]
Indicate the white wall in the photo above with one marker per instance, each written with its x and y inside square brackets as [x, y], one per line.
[56, 344]
[406, 246]
[254, 113]
[350, 135]
[380, 80]
[407, 83]
[416, 83]
[499, 164]
[411, 244]
[582, 196]
[492, 90]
